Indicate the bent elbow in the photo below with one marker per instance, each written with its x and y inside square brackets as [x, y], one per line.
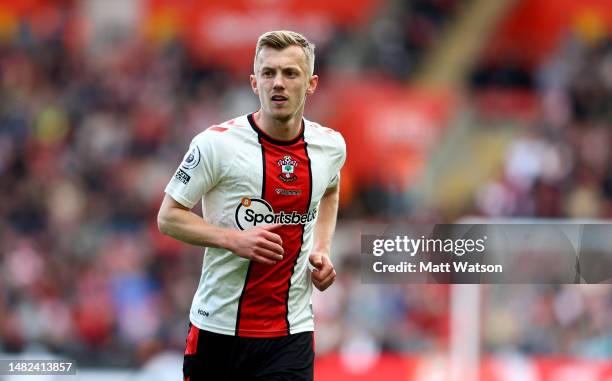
[162, 223]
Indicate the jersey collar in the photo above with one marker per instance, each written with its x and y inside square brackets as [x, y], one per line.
[272, 140]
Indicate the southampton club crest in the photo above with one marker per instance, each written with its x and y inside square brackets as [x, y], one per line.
[287, 165]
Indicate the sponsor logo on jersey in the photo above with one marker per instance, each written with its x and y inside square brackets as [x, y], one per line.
[288, 192]
[287, 165]
[192, 158]
[252, 212]
[182, 176]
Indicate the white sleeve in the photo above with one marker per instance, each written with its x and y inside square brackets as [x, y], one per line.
[337, 160]
[197, 173]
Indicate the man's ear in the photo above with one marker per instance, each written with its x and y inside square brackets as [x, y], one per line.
[312, 84]
[253, 81]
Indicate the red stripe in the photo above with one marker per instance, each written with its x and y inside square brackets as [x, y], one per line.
[217, 128]
[192, 340]
[263, 311]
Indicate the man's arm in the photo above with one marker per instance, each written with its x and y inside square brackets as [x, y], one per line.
[324, 275]
[258, 244]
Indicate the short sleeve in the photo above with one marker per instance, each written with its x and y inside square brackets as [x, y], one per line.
[197, 173]
[334, 181]
[338, 158]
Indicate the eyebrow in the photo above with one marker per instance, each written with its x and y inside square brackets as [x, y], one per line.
[292, 67]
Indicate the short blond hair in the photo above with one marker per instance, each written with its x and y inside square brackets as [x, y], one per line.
[281, 39]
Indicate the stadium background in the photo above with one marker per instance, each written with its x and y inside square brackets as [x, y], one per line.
[450, 108]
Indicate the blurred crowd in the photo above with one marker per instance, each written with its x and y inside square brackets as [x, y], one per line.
[559, 164]
[89, 140]
[397, 40]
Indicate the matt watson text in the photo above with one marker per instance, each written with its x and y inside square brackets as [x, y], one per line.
[430, 267]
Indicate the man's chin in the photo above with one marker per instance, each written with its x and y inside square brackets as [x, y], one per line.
[281, 115]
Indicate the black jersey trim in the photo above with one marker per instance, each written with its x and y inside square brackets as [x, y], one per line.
[263, 196]
[246, 281]
[301, 238]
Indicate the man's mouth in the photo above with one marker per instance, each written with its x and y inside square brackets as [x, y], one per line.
[279, 99]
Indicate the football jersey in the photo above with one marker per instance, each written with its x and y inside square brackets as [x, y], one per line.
[245, 178]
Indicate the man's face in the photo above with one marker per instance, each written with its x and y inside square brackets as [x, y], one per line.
[282, 81]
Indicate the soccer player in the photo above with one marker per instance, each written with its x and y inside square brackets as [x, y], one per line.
[268, 182]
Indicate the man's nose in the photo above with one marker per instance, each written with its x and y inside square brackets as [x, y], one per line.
[278, 82]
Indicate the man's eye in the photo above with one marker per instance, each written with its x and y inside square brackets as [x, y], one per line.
[291, 74]
[267, 73]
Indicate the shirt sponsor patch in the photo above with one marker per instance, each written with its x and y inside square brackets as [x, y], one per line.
[256, 211]
[182, 176]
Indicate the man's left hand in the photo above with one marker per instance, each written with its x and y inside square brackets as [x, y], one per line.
[324, 273]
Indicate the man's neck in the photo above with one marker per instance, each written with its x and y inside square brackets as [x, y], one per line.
[280, 130]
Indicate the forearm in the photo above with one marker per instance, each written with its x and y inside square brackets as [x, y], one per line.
[326, 220]
[188, 227]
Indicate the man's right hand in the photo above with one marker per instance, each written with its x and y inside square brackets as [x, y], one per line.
[258, 244]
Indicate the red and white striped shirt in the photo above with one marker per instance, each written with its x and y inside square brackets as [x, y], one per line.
[246, 178]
